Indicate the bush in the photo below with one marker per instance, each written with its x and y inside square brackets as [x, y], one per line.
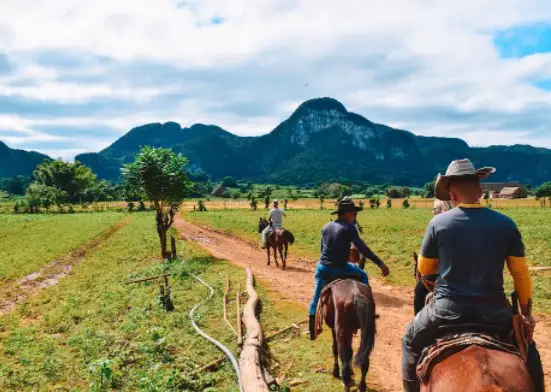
[388, 203]
[226, 194]
[201, 205]
[405, 203]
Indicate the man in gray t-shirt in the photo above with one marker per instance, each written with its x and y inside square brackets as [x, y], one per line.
[275, 217]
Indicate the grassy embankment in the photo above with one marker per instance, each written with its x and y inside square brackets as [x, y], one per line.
[94, 332]
[393, 234]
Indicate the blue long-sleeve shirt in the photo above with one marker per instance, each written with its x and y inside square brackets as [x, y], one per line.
[336, 238]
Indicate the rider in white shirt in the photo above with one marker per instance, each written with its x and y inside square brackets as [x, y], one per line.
[275, 217]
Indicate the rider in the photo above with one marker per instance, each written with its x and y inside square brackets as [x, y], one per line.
[336, 237]
[468, 247]
[275, 217]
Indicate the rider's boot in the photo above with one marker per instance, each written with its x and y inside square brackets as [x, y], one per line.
[312, 325]
[411, 386]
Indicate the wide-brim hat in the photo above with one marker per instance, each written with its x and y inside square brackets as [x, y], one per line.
[456, 169]
[346, 205]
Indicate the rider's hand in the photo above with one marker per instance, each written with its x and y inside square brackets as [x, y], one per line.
[530, 325]
[384, 269]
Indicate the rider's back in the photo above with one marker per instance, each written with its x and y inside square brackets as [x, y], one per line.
[336, 237]
[471, 245]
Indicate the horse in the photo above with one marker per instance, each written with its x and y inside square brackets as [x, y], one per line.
[350, 307]
[475, 368]
[479, 369]
[355, 257]
[279, 239]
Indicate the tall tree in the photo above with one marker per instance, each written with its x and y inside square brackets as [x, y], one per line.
[544, 190]
[160, 176]
[73, 179]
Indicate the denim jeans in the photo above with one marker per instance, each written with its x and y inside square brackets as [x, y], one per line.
[422, 331]
[265, 233]
[325, 273]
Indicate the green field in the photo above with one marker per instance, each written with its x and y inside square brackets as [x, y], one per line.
[393, 234]
[31, 241]
[93, 332]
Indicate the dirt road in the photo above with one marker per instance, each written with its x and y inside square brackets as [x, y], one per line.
[297, 281]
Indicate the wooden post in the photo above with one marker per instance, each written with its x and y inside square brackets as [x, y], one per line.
[238, 316]
[172, 247]
[252, 374]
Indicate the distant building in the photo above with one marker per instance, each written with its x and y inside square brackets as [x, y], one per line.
[513, 193]
[495, 188]
[219, 190]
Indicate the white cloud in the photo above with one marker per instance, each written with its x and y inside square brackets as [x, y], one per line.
[427, 66]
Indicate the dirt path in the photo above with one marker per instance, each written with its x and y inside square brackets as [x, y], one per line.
[49, 275]
[297, 281]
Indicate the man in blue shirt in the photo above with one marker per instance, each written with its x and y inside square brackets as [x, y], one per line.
[336, 238]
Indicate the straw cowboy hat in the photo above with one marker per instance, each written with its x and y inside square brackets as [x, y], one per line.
[458, 168]
[346, 205]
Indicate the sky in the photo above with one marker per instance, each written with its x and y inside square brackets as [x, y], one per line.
[75, 75]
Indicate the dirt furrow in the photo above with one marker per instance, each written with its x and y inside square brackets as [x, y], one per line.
[394, 304]
[49, 275]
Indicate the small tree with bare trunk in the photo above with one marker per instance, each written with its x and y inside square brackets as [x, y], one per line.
[160, 176]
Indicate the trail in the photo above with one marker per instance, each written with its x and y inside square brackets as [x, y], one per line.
[50, 275]
[394, 304]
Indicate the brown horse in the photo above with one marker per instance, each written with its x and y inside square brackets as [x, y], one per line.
[348, 308]
[477, 369]
[279, 239]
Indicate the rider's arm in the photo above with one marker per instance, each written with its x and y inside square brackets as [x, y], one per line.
[428, 256]
[363, 248]
[516, 263]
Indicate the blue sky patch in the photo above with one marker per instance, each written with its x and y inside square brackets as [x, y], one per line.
[524, 40]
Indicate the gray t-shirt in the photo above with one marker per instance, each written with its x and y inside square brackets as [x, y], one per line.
[471, 245]
[276, 216]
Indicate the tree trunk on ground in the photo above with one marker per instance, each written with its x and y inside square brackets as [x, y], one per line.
[250, 366]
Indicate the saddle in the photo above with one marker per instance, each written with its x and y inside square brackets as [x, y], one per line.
[485, 336]
[324, 297]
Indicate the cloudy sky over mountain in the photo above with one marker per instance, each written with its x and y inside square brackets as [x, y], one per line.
[76, 75]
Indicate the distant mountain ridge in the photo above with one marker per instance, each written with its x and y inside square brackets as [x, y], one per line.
[320, 141]
[15, 162]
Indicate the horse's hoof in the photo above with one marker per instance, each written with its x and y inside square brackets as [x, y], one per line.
[337, 374]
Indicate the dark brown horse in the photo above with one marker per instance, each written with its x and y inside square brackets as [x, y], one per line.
[475, 368]
[350, 307]
[279, 239]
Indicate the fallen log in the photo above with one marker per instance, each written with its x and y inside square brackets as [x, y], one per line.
[250, 366]
[225, 299]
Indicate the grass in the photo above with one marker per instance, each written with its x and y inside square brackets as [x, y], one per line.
[31, 241]
[393, 234]
[94, 332]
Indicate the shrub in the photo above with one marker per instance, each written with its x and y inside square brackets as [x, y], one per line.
[388, 203]
[405, 203]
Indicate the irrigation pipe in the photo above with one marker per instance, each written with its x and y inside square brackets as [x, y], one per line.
[223, 348]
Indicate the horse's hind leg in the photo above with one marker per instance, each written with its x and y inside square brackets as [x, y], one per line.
[281, 254]
[336, 370]
[275, 256]
[268, 254]
[365, 369]
[285, 258]
[345, 352]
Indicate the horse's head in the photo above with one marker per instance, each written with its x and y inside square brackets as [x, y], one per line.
[262, 224]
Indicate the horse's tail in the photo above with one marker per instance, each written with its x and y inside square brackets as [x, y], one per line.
[291, 237]
[365, 313]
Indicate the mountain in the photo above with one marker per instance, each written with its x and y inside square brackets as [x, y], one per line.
[320, 141]
[18, 162]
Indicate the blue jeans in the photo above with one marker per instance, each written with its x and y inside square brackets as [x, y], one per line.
[325, 273]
